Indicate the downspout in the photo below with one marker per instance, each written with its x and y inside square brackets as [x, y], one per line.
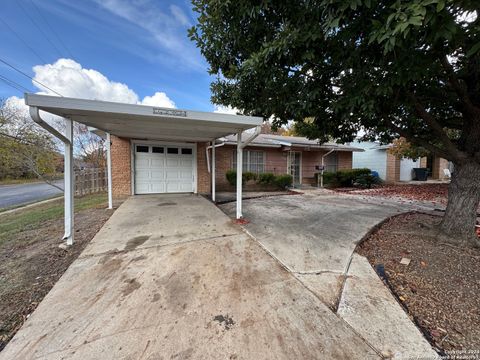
[208, 158]
[323, 166]
[67, 140]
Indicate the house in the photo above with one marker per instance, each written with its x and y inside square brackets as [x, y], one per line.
[137, 165]
[393, 169]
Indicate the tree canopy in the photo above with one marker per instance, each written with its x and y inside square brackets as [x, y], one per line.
[391, 68]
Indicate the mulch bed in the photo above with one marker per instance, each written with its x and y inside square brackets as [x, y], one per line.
[440, 288]
[420, 192]
[33, 264]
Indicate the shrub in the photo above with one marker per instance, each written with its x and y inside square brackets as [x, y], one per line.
[346, 177]
[283, 181]
[367, 180]
[231, 176]
[266, 179]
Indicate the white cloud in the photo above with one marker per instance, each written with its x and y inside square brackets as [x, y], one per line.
[158, 99]
[225, 110]
[179, 15]
[70, 79]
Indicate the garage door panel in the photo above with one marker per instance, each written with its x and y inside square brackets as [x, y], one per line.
[158, 187]
[157, 174]
[170, 171]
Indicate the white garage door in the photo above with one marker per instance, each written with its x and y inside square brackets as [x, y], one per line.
[164, 169]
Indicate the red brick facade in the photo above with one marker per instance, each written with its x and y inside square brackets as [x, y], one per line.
[275, 159]
[121, 167]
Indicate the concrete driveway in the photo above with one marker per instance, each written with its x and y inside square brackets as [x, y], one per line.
[170, 277]
[314, 236]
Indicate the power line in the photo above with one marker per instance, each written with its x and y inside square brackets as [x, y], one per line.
[28, 76]
[14, 84]
[39, 28]
[23, 41]
[52, 30]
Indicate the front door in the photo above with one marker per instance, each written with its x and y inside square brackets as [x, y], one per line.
[295, 166]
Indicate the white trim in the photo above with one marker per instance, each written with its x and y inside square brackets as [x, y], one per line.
[193, 145]
[66, 105]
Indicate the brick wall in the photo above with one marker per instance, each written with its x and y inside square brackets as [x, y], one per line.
[345, 160]
[393, 168]
[121, 167]
[203, 177]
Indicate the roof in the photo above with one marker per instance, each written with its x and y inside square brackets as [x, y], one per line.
[277, 141]
[144, 122]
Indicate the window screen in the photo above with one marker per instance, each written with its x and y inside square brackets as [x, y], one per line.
[142, 149]
[253, 161]
[172, 150]
[157, 150]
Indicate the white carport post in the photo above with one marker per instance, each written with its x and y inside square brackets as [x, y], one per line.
[213, 170]
[69, 183]
[68, 192]
[239, 174]
[240, 146]
[109, 172]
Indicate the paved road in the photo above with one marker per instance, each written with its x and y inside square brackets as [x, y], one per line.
[14, 195]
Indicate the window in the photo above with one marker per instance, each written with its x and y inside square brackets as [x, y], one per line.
[157, 150]
[142, 149]
[186, 151]
[331, 162]
[172, 150]
[253, 161]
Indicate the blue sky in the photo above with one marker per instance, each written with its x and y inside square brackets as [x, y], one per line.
[140, 43]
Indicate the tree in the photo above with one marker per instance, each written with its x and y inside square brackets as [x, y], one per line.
[402, 148]
[392, 68]
[26, 151]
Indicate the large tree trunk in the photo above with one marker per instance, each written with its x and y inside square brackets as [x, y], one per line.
[458, 224]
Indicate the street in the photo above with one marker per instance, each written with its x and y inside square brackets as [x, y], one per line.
[15, 195]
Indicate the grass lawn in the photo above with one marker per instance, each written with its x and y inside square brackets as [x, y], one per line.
[31, 261]
[15, 222]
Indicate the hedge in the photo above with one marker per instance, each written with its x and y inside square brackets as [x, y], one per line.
[280, 181]
[343, 178]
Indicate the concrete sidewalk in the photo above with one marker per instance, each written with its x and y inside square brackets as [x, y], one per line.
[169, 276]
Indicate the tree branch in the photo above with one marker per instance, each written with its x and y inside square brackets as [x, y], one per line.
[459, 89]
[417, 141]
[437, 129]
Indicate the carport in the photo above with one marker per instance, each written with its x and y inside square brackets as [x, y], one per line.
[145, 123]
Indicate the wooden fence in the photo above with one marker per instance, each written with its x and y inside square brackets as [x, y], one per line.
[89, 181]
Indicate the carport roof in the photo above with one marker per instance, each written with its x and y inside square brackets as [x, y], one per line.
[144, 122]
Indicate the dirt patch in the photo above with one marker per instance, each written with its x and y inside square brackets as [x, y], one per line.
[32, 263]
[439, 287]
[130, 286]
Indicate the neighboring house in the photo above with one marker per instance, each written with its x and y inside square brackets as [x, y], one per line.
[135, 163]
[393, 169]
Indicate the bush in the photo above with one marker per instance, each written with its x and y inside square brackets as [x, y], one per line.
[367, 180]
[266, 179]
[231, 176]
[346, 177]
[283, 181]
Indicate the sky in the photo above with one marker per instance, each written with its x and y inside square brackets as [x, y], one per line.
[134, 51]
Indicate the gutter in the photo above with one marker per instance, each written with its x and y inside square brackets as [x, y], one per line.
[323, 166]
[35, 115]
